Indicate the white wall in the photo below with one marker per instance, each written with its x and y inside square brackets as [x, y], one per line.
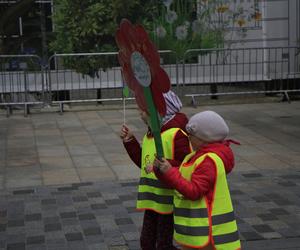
[278, 25]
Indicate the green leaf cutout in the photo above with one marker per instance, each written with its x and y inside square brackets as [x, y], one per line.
[125, 91]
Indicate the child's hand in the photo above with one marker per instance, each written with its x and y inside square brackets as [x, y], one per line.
[163, 165]
[125, 134]
[149, 169]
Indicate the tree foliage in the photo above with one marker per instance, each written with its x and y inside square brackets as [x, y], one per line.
[90, 26]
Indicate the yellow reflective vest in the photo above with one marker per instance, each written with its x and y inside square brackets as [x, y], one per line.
[152, 194]
[195, 223]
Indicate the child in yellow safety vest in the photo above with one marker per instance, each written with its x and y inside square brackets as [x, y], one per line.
[203, 211]
[155, 198]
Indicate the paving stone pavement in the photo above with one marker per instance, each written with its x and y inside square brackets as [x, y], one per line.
[67, 183]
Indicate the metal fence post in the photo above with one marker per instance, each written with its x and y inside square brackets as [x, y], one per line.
[26, 90]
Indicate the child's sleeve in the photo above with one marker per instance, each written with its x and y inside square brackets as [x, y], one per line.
[134, 151]
[201, 183]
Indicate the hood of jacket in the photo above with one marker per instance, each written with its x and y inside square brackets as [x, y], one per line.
[223, 150]
[178, 121]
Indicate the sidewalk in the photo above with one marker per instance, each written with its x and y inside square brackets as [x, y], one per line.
[67, 183]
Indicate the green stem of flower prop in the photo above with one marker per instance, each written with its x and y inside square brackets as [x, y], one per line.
[125, 95]
[154, 122]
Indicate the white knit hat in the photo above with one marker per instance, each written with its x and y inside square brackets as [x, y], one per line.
[173, 103]
[208, 126]
[173, 106]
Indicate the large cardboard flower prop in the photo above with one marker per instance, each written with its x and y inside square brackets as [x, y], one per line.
[142, 73]
[140, 64]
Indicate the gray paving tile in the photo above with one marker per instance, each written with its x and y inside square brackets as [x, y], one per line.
[36, 247]
[66, 215]
[81, 150]
[77, 245]
[123, 221]
[3, 227]
[23, 191]
[94, 239]
[93, 194]
[86, 161]
[263, 228]
[92, 231]
[34, 226]
[48, 163]
[52, 227]
[113, 202]
[278, 211]
[53, 236]
[98, 246]
[134, 245]
[15, 238]
[267, 217]
[15, 223]
[87, 216]
[288, 232]
[277, 244]
[39, 239]
[74, 236]
[251, 235]
[70, 221]
[16, 246]
[69, 229]
[51, 220]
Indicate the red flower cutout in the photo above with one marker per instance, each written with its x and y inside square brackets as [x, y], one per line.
[133, 38]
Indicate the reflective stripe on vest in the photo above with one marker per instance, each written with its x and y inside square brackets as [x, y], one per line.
[152, 194]
[191, 218]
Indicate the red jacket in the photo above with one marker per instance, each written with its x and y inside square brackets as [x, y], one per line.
[204, 177]
[181, 146]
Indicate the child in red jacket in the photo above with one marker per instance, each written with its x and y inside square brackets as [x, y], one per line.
[202, 199]
[157, 229]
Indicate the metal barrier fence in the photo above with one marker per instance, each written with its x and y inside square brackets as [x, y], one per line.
[66, 85]
[21, 81]
[219, 72]
[212, 72]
